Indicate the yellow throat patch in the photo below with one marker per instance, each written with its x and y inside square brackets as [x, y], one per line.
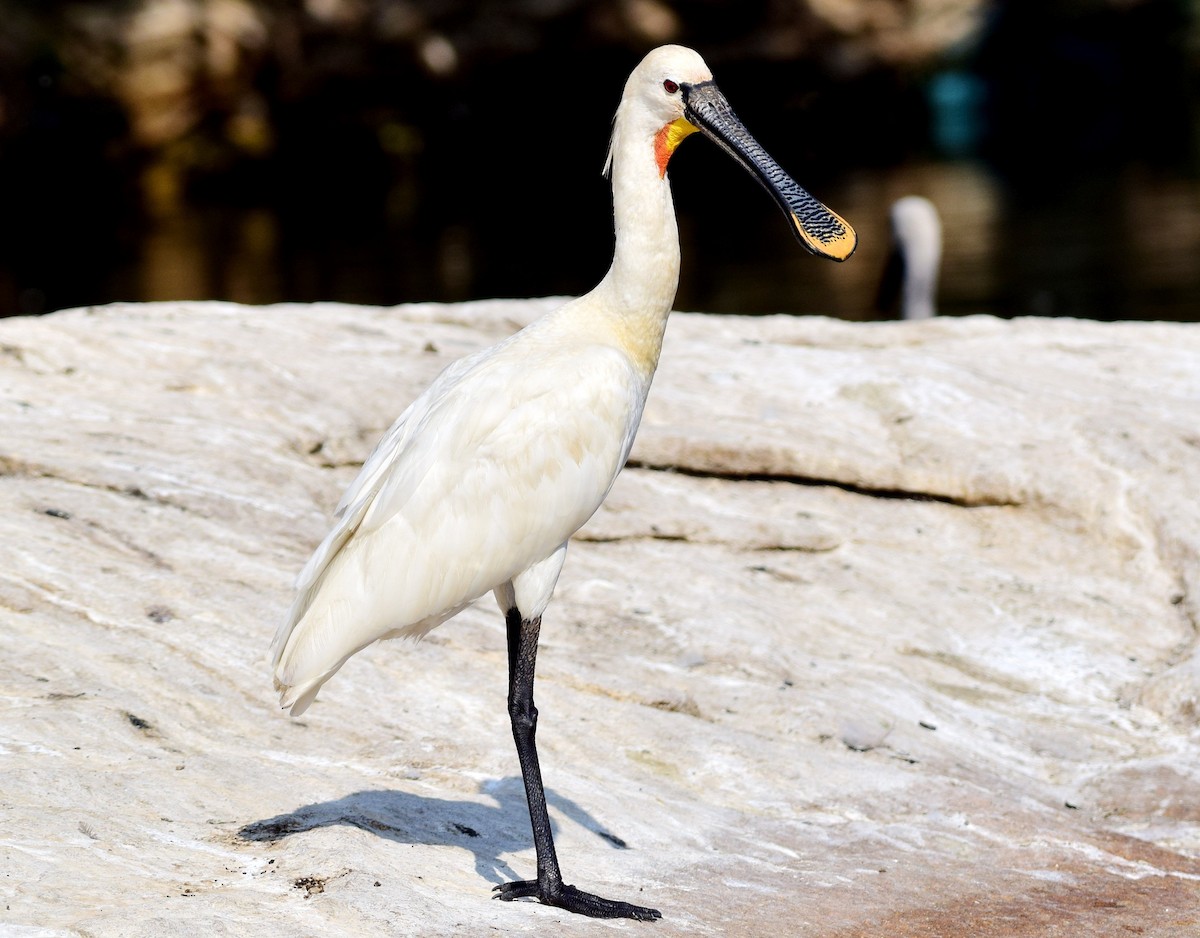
[667, 139]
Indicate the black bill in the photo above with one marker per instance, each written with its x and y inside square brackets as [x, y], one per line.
[821, 231]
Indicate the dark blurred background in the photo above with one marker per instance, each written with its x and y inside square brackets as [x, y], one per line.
[384, 151]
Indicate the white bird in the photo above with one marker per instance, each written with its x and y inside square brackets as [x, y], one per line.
[483, 479]
[912, 265]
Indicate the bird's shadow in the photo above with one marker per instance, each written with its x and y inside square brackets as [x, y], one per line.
[487, 830]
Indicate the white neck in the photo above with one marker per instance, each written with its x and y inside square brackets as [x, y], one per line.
[645, 269]
[640, 286]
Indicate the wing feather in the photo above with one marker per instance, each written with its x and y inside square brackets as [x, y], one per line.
[486, 473]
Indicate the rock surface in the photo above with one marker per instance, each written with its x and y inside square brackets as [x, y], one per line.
[890, 630]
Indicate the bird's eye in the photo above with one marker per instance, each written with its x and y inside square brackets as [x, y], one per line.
[670, 86]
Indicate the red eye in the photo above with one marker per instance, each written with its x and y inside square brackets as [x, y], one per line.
[670, 86]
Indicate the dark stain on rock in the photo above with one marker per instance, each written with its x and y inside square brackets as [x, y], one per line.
[138, 723]
[312, 885]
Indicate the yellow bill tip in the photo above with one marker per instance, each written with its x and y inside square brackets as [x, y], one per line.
[834, 239]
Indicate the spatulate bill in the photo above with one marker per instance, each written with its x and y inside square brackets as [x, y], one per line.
[821, 230]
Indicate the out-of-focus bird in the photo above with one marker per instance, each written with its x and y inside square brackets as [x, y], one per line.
[911, 272]
[483, 479]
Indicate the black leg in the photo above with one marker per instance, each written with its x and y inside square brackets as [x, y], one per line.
[548, 887]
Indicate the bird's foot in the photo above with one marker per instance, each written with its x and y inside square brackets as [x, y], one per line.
[575, 900]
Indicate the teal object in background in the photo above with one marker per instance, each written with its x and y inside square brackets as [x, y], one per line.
[956, 101]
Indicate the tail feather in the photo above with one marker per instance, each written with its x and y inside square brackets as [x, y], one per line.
[309, 650]
[325, 633]
[295, 698]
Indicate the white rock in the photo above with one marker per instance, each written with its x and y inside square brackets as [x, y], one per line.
[967, 548]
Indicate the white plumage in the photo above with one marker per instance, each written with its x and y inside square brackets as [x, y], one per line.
[507, 453]
[917, 237]
[483, 479]
[487, 473]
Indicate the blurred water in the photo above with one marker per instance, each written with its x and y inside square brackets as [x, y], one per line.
[1120, 244]
[1115, 245]
[1059, 140]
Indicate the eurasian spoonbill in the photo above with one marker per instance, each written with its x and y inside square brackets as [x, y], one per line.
[485, 476]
